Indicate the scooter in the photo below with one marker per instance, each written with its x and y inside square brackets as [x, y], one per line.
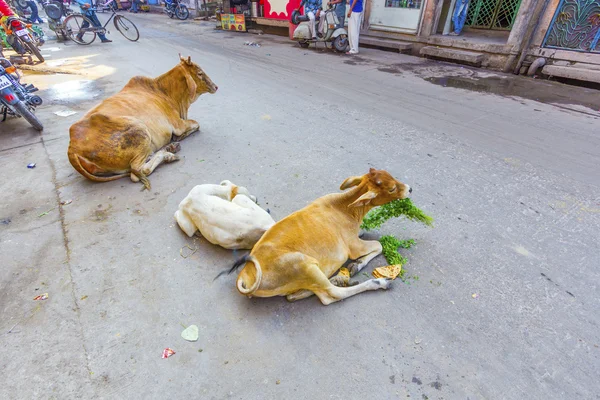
[332, 32]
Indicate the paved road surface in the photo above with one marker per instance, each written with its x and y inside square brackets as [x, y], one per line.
[512, 183]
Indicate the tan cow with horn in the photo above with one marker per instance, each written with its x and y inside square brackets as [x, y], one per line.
[131, 133]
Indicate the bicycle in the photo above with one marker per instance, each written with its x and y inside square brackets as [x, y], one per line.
[85, 35]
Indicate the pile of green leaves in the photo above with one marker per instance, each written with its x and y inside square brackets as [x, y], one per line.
[390, 246]
[397, 208]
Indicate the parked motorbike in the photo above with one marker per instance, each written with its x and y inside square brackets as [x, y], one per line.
[174, 8]
[332, 31]
[22, 38]
[57, 11]
[16, 98]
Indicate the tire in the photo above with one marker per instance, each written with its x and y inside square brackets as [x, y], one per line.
[73, 26]
[170, 13]
[182, 12]
[126, 28]
[24, 111]
[340, 43]
[304, 44]
[30, 46]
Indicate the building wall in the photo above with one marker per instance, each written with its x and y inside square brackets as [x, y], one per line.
[544, 24]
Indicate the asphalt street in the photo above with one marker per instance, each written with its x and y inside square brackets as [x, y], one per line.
[501, 298]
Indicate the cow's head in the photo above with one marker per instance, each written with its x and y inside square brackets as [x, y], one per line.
[381, 188]
[235, 190]
[198, 81]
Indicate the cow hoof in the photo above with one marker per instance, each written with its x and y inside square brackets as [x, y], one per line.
[173, 147]
[383, 283]
[354, 268]
[171, 157]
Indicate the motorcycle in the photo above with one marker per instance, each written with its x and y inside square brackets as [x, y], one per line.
[16, 98]
[174, 8]
[57, 11]
[21, 38]
[332, 31]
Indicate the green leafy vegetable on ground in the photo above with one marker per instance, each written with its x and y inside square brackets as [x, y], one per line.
[397, 208]
[390, 245]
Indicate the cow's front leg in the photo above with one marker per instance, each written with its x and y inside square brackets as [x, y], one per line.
[184, 128]
[362, 252]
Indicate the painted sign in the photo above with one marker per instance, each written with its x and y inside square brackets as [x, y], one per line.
[280, 9]
[233, 22]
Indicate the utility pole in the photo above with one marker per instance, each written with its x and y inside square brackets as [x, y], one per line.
[197, 8]
[205, 10]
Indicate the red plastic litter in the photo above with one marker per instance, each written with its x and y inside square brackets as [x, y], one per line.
[41, 297]
[168, 353]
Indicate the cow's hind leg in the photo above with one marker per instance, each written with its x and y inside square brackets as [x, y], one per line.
[334, 293]
[329, 293]
[338, 280]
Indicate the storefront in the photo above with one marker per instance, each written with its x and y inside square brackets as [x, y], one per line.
[395, 15]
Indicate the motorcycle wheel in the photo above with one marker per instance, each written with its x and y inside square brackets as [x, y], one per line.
[340, 43]
[24, 111]
[304, 44]
[182, 12]
[34, 50]
[170, 13]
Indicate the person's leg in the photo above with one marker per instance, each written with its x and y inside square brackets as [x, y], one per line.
[83, 26]
[35, 16]
[463, 15]
[311, 21]
[353, 27]
[134, 6]
[342, 18]
[97, 23]
[351, 32]
[460, 15]
[321, 22]
[359, 20]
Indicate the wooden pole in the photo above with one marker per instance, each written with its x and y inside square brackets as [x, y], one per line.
[197, 8]
[205, 10]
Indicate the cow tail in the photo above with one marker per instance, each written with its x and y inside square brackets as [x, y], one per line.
[74, 159]
[240, 284]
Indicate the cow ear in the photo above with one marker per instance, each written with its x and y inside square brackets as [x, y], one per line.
[192, 87]
[364, 199]
[181, 58]
[350, 182]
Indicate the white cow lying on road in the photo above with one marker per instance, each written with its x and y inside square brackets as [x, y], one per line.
[225, 214]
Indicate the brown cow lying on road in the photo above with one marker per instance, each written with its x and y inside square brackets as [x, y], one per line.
[130, 133]
[297, 256]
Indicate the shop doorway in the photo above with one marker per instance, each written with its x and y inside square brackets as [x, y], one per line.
[395, 15]
[492, 14]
